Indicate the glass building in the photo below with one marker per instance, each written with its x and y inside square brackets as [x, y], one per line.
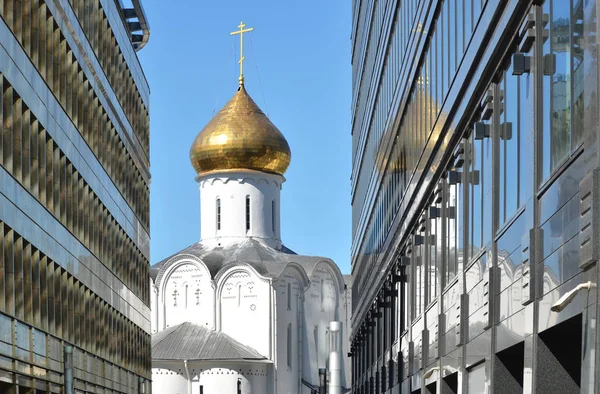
[74, 198]
[475, 196]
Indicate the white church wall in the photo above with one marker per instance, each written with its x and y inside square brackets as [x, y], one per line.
[320, 308]
[288, 289]
[187, 295]
[214, 380]
[169, 381]
[253, 379]
[245, 308]
[229, 192]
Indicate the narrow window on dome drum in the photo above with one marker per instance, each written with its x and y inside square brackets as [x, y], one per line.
[247, 213]
[273, 215]
[218, 213]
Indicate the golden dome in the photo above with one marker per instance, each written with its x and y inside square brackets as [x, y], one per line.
[240, 136]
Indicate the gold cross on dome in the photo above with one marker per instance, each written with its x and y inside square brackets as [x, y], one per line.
[241, 33]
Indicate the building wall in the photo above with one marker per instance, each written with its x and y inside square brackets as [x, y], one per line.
[473, 181]
[71, 86]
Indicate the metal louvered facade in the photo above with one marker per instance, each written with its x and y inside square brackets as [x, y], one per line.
[74, 200]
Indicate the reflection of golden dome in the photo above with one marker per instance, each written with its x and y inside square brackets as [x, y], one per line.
[240, 136]
[428, 109]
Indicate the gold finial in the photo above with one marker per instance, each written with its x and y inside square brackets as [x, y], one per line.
[241, 33]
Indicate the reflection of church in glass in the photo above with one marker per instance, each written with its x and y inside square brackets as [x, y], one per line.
[239, 310]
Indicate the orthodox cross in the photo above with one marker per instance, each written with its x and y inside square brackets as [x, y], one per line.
[241, 33]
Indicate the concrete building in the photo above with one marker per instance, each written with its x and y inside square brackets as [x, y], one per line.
[475, 192]
[74, 198]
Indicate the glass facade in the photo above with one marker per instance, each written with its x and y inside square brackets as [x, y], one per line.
[475, 174]
[74, 199]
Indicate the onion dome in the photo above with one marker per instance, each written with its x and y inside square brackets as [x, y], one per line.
[240, 137]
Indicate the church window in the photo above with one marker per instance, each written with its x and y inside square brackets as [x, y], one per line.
[289, 296]
[322, 294]
[218, 213]
[273, 215]
[247, 213]
[289, 345]
[186, 296]
[316, 335]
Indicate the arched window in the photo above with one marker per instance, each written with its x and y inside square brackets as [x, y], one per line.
[289, 345]
[273, 215]
[289, 296]
[218, 213]
[186, 296]
[247, 213]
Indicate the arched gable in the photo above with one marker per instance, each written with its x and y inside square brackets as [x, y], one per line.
[185, 292]
[298, 272]
[244, 306]
[334, 270]
[230, 269]
[175, 262]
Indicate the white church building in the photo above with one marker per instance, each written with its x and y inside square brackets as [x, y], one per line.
[239, 312]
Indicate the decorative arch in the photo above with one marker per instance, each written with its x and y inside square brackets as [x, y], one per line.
[248, 180]
[175, 262]
[240, 178]
[193, 293]
[337, 274]
[299, 272]
[230, 269]
[212, 181]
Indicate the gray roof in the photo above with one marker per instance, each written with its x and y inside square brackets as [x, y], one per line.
[189, 341]
[265, 260]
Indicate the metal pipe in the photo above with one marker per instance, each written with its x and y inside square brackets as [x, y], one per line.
[189, 380]
[322, 380]
[68, 369]
[335, 357]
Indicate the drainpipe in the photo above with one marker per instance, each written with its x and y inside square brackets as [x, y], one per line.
[189, 379]
[68, 369]
[335, 358]
[300, 315]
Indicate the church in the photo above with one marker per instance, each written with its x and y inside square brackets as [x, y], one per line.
[239, 312]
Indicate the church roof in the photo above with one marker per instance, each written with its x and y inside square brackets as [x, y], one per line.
[240, 136]
[189, 341]
[265, 260]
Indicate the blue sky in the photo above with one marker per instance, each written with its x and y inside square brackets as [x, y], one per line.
[298, 71]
